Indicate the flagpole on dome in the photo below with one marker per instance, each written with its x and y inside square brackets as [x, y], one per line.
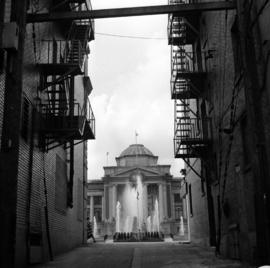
[136, 135]
[107, 156]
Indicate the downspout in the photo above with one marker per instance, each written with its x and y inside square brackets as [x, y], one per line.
[71, 142]
[46, 211]
[30, 175]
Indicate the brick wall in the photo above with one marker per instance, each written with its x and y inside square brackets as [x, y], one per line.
[236, 188]
[2, 94]
[66, 227]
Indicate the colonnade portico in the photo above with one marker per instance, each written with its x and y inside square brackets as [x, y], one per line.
[113, 198]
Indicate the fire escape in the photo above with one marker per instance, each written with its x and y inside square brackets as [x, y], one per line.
[64, 119]
[191, 129]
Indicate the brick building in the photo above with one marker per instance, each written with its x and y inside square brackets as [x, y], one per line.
[220, 86]
[45, 122]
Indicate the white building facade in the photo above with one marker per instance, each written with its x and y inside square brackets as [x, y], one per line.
[137, 185]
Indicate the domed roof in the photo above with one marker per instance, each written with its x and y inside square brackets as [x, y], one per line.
[136, 150]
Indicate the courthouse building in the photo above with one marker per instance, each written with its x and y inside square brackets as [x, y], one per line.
[157, 187]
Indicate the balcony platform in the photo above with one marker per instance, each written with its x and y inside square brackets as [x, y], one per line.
[197, 151]
[64, 127]
[195, 77]
[60, 68]
[183, 95]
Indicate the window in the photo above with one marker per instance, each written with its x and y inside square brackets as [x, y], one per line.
[177, 198]
[60, 185]
[178, 213]
[178, 206]
[97, 200]
[88, 200]
[97, 203]
[98, 214]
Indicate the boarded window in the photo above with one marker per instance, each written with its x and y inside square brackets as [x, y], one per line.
[60, 185]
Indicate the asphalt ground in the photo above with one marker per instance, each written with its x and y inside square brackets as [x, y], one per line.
[141, 255]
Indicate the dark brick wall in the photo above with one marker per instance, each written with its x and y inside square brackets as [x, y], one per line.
[66, 228]
[2, 93]
[236, 186]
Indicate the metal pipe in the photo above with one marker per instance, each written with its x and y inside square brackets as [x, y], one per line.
[180, 9]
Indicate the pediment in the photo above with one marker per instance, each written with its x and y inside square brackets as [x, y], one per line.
[144, 171]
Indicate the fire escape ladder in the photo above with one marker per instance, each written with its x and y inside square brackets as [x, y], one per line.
[185, 74]
[189, 25]
[191, 132]
[56, 80]
[182, 30]
[68, 5]
[63, 119]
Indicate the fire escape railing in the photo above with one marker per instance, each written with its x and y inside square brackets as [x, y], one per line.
[191, 132]
[90, 117]
[63, 52]
[67, 119]
[63, 119]
[183, 65]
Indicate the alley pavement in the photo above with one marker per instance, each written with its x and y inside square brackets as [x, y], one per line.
[141, 255]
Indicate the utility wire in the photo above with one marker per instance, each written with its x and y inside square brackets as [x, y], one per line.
[131, 36]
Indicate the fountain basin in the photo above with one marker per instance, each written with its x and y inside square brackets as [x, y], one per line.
[138, 237]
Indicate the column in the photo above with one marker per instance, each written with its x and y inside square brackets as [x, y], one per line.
[160, 201]
[145, 203]
[103, 208]
[114, 196]
[106, 202]
[169, 200]
[184, 203]
[165, 206]
[91, 208]
[173, 206]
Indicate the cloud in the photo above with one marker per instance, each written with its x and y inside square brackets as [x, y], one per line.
[131, 89]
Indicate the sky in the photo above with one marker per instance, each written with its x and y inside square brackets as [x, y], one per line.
[131, 87]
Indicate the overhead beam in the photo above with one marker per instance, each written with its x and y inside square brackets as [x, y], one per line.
[181, 9]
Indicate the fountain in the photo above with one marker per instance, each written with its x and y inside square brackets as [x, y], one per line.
[149, 224]
[182, 229]
[156, 218]
[139, 203]
[95, 227]
[130, 224]
[118, 210]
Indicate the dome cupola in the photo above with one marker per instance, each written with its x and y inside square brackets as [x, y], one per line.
[136, 155]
